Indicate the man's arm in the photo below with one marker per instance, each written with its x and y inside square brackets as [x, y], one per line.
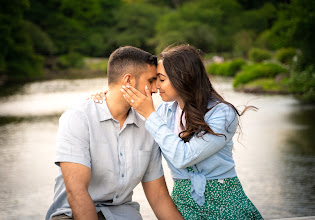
[77, 179]
[160, 200]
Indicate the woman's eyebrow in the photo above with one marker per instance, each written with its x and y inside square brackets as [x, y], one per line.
[160, 74]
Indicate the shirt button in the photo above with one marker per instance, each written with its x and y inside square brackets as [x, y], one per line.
[117, 196]
[121, 154]
[122, 175]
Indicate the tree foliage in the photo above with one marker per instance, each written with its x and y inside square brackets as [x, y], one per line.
[33, 29]
[17, 55]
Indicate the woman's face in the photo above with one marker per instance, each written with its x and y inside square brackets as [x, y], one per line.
[163, 84]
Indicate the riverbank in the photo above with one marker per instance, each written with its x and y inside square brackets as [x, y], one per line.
[91, 68]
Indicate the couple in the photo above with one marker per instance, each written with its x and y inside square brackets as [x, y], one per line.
[104, 150]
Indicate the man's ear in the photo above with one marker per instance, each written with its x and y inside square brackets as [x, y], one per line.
[128, 79]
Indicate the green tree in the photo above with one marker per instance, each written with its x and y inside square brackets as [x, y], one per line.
[207, 24]
[295, 27]
[17, 57]
[134, 25]
[75, 25]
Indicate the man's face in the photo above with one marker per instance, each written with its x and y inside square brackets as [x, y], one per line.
[147, 78]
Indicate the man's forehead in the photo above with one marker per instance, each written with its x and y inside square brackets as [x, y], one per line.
[150, 72]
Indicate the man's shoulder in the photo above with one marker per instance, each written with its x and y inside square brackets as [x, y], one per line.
[84, 107]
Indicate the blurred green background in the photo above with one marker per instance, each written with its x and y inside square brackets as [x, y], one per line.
[266, 45]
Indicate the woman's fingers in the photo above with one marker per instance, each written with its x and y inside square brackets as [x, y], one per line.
[135, 91]
[103, 94]
[127, 96]
[131, 93]
[99, 98]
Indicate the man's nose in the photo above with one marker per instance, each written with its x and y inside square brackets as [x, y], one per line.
[153, 88]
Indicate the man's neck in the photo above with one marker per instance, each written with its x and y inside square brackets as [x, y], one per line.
[117, 104]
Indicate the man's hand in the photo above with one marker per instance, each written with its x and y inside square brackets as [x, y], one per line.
[77, 179]
[160, 200]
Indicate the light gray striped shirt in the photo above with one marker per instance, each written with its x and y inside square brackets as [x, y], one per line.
[119, 159]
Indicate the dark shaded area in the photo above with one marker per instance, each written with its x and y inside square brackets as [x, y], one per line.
[4, 120]
[302, 142]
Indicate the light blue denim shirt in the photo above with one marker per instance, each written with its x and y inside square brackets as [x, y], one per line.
[119, 158]
[210, 156]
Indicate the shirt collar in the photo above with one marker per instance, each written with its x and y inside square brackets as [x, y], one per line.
[172, 106]
[104, 114]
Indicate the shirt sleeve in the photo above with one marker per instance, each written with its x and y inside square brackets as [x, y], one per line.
[222, 119]
[155, 169]
[72, 142]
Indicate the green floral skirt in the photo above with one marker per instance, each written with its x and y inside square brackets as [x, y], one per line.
[225, 200]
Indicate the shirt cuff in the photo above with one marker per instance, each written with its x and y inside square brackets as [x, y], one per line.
[153, 123]
[153, 176]
[72, 159]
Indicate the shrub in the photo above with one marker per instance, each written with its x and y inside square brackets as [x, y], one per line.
[40, 40]
[229, 68]
[236, 65]
[256, 71]
[285, 55]
[259, 55]
[303, 84]
[71, 60]
[268, 85]
[96, 64]
[212, 68]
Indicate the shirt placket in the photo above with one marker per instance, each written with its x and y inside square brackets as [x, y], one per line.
[122, 165]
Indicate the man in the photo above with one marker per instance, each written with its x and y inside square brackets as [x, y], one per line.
[104, 151]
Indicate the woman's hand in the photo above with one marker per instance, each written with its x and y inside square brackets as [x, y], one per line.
[143, 104]
[98, 97]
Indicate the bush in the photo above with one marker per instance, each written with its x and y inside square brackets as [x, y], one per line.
[259, 55]
[303, 84]
[256, 71]
[71, 60]
[236, 65]
[40, 40]
[213, 68]
[268, 85]
[229, 68]
[285, 55]
[96, 64]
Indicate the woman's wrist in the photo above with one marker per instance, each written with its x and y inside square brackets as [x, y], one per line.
[148, 114]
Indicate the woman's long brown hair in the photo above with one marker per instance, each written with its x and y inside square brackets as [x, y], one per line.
[185, 69]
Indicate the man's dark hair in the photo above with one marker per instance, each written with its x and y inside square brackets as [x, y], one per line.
[130, 60]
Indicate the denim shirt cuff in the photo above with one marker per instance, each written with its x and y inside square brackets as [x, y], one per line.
[153, 123]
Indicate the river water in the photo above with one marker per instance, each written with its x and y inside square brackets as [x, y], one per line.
[275, 154]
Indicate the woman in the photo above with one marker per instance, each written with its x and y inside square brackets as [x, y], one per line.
[194, 127]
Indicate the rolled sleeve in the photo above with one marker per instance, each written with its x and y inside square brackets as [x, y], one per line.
[222, 120]
[153, 123]
[72, 142]
[155, 169]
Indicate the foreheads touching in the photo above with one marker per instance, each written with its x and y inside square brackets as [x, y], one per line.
[128, 60]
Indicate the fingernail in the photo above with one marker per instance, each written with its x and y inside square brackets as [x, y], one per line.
[122, 90]
[101, 101]
[96, 101]
[124, 96]
[123, 86]
[128, 86]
